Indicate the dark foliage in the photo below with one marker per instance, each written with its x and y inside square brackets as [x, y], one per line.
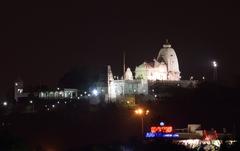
[83, 77]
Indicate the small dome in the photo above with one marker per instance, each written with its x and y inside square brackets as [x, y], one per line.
[128, 74]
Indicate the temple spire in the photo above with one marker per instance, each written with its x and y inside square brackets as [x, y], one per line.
[167, 42]
[124, 64]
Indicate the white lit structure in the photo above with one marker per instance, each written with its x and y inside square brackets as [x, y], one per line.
[120, 88]
[61, 93]
[111, 85]
[128, 74]
[151, 71]
[164, 68]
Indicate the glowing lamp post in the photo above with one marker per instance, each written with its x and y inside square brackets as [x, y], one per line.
[141, 112]
[215, 66]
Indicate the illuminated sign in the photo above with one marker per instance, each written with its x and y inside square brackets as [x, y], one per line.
[161, 129]
[161, 132]
[161, 135]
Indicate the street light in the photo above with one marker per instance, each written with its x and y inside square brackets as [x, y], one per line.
[215, 66]
[31, 102]
[141, 112]
[214, 63]
[5, 103]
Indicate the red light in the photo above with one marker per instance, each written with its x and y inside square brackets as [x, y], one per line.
[154, 129]
[210, 135]
[161, 129]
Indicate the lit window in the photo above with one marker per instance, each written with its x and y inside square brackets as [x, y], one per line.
[20, 90]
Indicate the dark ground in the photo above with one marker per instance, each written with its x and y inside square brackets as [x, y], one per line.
[73, 128]
[80, 125]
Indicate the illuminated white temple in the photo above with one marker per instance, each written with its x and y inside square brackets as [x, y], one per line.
[147, 82]
[164, 68]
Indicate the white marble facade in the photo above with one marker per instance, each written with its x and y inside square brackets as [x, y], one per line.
[165, 67]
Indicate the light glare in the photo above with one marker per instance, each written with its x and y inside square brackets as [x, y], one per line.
[5, 103]
[95, 92]
[214, 63]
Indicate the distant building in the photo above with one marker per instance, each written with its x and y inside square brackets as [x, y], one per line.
[21, 93]
[18, 90]
[58, 94]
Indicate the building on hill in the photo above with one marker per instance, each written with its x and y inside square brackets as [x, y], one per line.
[163, 71]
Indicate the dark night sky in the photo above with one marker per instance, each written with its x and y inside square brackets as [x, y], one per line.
[40, 41]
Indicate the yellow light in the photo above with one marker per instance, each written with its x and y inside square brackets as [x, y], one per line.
[141, 111]
[147, 111]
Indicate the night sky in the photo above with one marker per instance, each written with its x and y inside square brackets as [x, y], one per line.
[40, 41]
